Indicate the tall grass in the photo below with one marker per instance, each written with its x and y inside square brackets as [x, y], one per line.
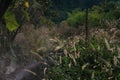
[99, 61]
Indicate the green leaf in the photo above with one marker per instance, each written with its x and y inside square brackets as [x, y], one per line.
[11, 22]
[26, 14]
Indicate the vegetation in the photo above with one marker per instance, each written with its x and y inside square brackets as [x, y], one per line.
[51, 35]
[98, 61]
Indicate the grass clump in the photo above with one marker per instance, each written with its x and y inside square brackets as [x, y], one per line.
[98, 61]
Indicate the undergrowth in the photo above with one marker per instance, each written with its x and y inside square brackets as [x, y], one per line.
[100, 60]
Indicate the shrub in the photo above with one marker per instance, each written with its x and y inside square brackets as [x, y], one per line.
[94, 19]
[77, 18]
[98, 61]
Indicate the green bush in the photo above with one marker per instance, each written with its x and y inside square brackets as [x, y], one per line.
[109, 15]
[77, 18]
[98, 61]
[94, 19]
[97, 15]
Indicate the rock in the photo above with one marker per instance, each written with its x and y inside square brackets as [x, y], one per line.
[32, 72]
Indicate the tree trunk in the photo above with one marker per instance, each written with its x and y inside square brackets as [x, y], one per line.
[86, 25]
[4, 33]
[4, 37]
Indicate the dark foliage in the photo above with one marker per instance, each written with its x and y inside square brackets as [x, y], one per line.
[4, 4]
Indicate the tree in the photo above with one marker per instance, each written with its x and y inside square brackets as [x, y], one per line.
[4, 5]
[13, 14]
